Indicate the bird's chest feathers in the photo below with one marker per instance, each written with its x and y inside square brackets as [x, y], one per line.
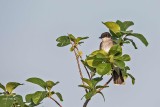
[106, 45]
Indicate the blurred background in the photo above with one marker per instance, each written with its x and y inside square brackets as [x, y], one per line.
[29, 28]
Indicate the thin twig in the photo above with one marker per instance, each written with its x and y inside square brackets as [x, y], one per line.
[106, 84]
[86, 102]
[84, 65]
[56, 101]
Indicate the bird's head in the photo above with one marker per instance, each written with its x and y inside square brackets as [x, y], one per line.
[105, 36]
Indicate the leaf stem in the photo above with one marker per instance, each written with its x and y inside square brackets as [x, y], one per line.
[56, 101]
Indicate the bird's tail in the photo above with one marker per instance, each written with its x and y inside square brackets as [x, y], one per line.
[118, 78]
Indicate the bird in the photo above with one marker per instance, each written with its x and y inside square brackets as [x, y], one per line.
[105, 45]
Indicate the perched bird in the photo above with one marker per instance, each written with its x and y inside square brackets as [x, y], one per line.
[105, 45]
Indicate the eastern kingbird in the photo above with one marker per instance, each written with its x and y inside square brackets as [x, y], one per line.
[105, 45]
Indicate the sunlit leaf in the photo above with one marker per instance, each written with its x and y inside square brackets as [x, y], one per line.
[10, 86]
[112, 26]
[37, 81]
[87, 81]
[126, 57]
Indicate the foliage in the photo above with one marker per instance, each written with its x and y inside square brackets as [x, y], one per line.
[100, 63]
[9, 99]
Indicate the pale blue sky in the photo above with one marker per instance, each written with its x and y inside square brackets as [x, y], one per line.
[29, 28]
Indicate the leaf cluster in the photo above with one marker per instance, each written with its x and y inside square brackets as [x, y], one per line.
[10, 99]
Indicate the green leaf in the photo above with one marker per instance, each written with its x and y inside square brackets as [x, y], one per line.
[87, 81]
[28, 98]
[124, 25]
[126, 57]
[102, 95]
[96, 80]
[10, 86]
[131, 42]
[119, 63]
[39, 96]
[59, 96]
[100, 86]
[94, 53]
[19, 100]
[72, 48]
[140, 37]
[85, 86]
[115, 50]
[71, 37]
[37, 81]
[133, 79]
[81, 38]
[2, 87]
[6, 101]
[63, 41]
[103, 68]
[112, 26]
[50, 84]
[90, 94]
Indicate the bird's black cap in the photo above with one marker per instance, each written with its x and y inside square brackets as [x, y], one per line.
[105, 34]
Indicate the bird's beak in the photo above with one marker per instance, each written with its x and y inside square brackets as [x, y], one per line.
[100, 38]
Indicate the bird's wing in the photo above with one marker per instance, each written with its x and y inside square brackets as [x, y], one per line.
[100, 46]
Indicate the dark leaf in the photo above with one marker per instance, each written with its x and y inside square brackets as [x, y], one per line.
[59, 96]
[140, 37]
[100, 86]
[63, 41]
[102, 95]
[37, 81]
[85, 86]
[2, 87]
[133, 79]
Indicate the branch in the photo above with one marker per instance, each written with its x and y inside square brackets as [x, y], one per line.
[84, 65]
[56, 101]
[86, 102]
[106, 84]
